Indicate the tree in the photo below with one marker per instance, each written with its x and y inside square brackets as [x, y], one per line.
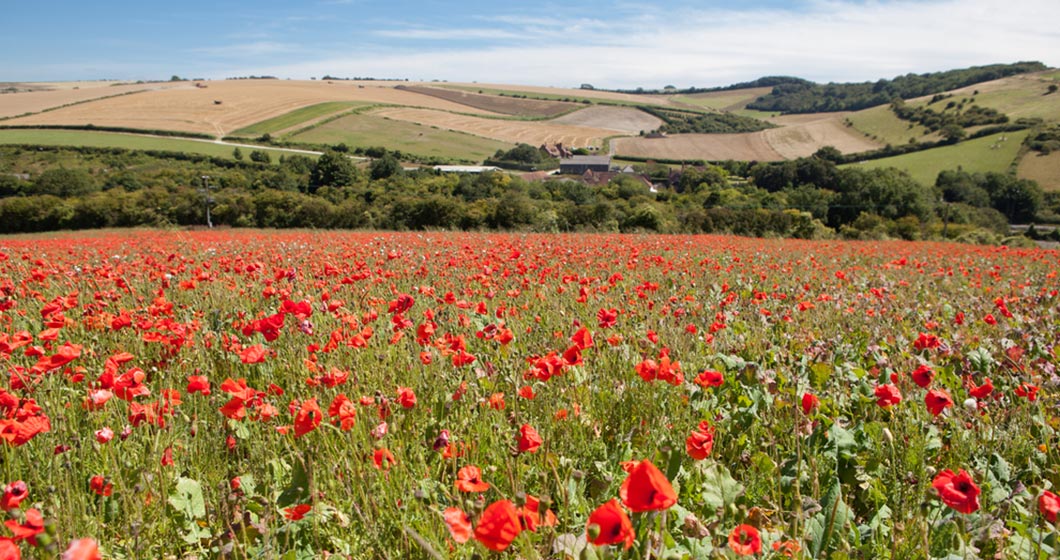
[333, 169]
[829, 153]
[64, 182]
[953, 133]
[1018, 199]
[260, 156]
[386, 166]
[237, 154]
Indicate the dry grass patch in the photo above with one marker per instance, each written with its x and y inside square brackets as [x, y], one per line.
[802, 135]
[1045, 169]
[620, 119]
[711, 147]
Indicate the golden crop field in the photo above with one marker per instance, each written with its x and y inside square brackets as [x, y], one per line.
[44, 96]
[242, 103]
[798, 136]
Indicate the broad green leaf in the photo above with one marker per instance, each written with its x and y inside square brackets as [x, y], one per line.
[298, 490]
[187, 499]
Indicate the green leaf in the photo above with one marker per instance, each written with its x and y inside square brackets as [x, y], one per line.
[298, 490]
[820, 373]
[187, 499]
[833, 518]
[719, 487]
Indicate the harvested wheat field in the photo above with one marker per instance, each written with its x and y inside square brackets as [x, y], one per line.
[530, 132]
[711, 147]
[241, 103]
[728, 100]
[798, 136]
[44, 96]
[498, 104]
[802, 135]
[626, 120]
[626, 98]
[1045, 169]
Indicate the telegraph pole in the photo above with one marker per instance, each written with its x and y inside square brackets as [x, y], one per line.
[207, 199]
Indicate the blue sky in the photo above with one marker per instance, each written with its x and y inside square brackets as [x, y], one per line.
[609, 44]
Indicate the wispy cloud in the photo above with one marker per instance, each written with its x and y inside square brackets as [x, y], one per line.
[826, 40]
[254, 48]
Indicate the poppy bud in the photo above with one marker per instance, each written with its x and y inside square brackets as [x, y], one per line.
[970, 404]
[520, 498]
[593, 531]
[888, 436]
[577, 475]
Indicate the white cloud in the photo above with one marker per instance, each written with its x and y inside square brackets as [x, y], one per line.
[829, 40]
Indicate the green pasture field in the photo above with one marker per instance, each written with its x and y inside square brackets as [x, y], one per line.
[882, 124]
[369, 130]
[297, 117]
[980, 155]
[120, 140]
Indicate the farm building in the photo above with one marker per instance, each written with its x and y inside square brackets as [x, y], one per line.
[465, 168]
[578, 165]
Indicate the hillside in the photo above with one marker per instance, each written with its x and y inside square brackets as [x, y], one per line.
[461, 122]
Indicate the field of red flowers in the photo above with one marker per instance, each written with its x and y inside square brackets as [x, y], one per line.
[247, 394]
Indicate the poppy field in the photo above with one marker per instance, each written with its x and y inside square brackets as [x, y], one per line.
[256, 394]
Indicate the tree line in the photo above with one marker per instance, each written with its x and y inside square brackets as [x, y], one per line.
[79, 188]
[808, 97]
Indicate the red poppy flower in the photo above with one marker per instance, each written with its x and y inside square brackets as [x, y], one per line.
[343, 412]
[529, 439]
[927, 341]
[887, 395]
[81, 549]
[923, 376]
[308, 418]
[383, 459]
[198, 384]
[606, 318]
[1049, 505]
[253, 354]
[809, 403]
[498, 526]
[406, 397]
[788, 548]
[710, 378]
[531, 517]
[612, 525]
[937, 400]
[14, 493]
[700, 442]
[33, 526]
[294, 513]
[497, 401]
[957, 491]
[646, 489]
[583, 338]
[745, 541]
[100, 486]
[458, 523]
[980, 391]
[1028, 391]
[469, 479]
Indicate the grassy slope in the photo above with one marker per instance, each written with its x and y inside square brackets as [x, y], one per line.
[980, 155]
[297, 117]
[117, 140]
[881, 124]
[369, 130]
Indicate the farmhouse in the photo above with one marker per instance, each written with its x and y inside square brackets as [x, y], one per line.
[578, 165]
